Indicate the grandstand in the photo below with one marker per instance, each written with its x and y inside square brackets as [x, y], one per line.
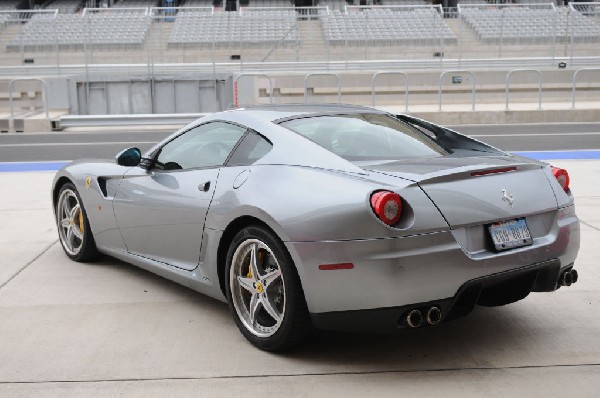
[137, 57]
[334, 31]
[387, 25]
[44, 32]
[9, 4]
[136, 3]
[528, 24]
[262, 27]
[270, 3]
[64, 6]
[339, 32]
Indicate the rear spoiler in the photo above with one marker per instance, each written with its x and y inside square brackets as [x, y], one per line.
[448, 138]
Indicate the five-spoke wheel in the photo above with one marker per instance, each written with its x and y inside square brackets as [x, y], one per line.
[73, 227]
[257, 288]
[264, 291]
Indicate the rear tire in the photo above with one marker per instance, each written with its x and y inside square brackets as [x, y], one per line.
[264, 291]
[74, 230]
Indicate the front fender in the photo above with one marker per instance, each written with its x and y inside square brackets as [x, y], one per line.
[96, 182]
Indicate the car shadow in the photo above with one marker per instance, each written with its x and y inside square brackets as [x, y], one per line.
[477, 341]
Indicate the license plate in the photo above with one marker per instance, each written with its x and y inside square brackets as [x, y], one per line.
[510, 234]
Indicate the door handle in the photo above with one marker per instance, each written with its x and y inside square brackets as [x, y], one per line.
[204, 187]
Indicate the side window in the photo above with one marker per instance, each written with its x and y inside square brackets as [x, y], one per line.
[252, 148]
[207, 145]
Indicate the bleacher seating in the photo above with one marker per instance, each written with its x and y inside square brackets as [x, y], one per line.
[334, 5]
[197, 3]
[257, 27]
[3, 19]
[204, 27]
[409, 2]
[135, 3]
[8, 5]
[64, 6]
[270, 3]
[386, 25]
[72, 31]
[522, 25]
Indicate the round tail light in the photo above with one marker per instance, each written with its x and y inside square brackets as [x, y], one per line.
[562, 177]
[387, 206]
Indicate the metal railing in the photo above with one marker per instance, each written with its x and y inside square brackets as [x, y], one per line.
[338, 79]
[474, 84]
[575, 75]
[390, 73]
[236, 102]
[422, 35]
[405, 78]
[539, 76]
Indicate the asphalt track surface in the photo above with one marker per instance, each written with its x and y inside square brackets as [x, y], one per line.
[109, 329]
[59, 146]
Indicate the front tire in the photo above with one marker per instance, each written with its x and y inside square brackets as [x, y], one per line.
[264, 291]
[74, 230]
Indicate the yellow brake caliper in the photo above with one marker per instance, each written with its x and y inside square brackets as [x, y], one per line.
[81, 221]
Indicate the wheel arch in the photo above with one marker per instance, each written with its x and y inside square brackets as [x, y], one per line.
[56, 189]
[229, 233]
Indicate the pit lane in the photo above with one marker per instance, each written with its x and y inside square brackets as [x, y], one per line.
[109, 328]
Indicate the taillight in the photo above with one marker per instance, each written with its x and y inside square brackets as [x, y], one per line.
[387, 206]
[562, 177]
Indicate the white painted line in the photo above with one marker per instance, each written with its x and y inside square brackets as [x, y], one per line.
[78, 143]
[524, 124]
[534, 134]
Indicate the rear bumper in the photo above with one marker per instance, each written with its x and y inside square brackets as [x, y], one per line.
[497, 289]
[393, 273]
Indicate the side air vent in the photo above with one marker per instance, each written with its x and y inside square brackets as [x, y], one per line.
[102, 185]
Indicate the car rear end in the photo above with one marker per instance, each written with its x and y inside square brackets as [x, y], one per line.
[465, 224]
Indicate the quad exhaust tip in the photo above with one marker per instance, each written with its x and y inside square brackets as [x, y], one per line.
[568, 277]
[414, 318]
[574, 275]
[434, 316]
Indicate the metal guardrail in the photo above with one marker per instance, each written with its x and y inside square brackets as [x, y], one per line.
[388, 73]
[126, 120]
[236, 89]
[575, 81]
[339, 84]
[457, 71]
[377, 75]
[229, 67]
[539, 75]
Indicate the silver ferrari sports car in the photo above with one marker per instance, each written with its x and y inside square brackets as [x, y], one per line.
[326, 217]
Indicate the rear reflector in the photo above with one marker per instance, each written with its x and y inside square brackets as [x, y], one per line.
[494, 171]
[332, 267]
[562, 177]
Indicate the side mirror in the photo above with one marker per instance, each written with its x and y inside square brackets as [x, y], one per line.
[129, 157]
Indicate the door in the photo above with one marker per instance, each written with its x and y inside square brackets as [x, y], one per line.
[161, 210]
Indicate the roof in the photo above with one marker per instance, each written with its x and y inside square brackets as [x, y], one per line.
[273, 113]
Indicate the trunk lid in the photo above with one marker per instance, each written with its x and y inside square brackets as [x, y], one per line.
[476, 190]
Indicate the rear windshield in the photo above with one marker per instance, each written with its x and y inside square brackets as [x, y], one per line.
[359, 137]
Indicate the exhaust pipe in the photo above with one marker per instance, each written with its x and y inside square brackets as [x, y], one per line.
[414, 318]
[434, 316]
[566, 279]
[574, 275]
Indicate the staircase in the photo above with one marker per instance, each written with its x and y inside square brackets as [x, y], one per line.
[313, 46]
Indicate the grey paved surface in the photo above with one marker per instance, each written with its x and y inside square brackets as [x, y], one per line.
[109, 329]
[103, 144]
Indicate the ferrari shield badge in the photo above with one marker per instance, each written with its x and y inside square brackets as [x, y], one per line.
[88, 182]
